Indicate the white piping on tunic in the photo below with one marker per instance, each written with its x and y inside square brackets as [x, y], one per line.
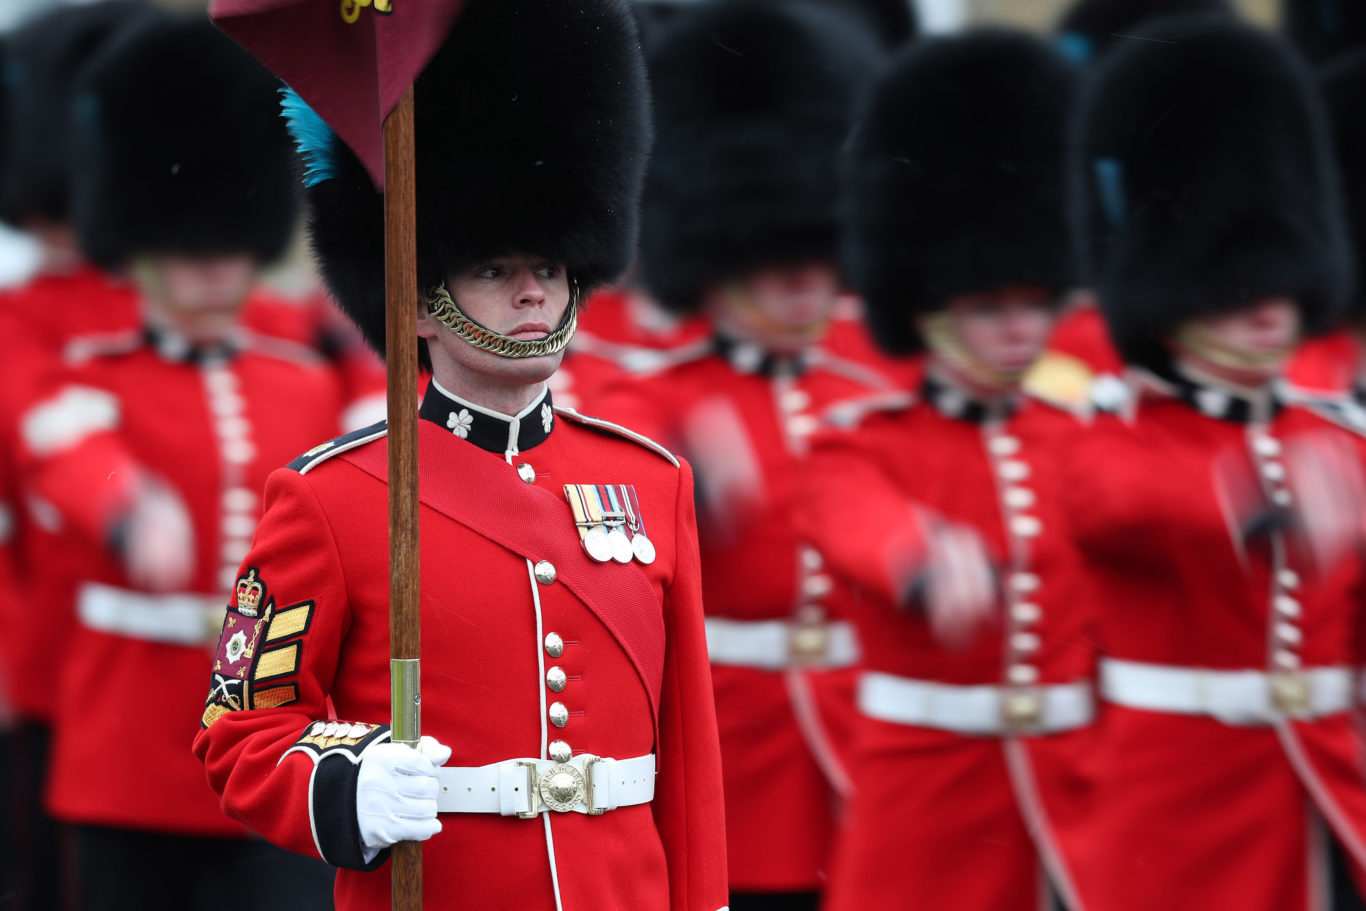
[544, 752]
[1031, 807]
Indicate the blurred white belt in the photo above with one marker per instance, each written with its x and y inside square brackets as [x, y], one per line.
[986, 710]
[177, 619]
[1233, 697]
[527, 787]
[775, 645]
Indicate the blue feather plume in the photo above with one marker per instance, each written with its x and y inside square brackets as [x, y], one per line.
[312, 137]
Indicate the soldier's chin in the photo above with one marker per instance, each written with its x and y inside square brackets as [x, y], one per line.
[526, 370]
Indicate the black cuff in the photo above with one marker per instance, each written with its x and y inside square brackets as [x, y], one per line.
[333, 807]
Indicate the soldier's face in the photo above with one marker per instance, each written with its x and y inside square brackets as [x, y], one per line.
[1249, 345]
[199, 296]
[780, 308]
[523, 297]
[1004, 330]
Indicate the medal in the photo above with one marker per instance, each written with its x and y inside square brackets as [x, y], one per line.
[641, 546]
[621, 545]
[597, 543]
[644, 549]
[592, 533]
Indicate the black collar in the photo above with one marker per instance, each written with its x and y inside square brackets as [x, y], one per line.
[747, 357]
[954, 402]
[487, 429]
[175, 347]
[1224, 403]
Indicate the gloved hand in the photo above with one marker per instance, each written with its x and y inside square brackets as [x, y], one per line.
[396, 789]
[158, 542]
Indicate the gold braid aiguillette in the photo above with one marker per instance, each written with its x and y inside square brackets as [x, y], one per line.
[441, 305]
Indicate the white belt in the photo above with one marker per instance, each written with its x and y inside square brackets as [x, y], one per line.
[1233, 697]
[527, 787]
[976, 709]
[775, 645]
[178, 619]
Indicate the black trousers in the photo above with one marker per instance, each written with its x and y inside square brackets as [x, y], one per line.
[30, 839]
[123, 870]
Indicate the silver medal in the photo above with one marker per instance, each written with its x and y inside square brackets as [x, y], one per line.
[644, 549]
[597, 544]
[621, 545]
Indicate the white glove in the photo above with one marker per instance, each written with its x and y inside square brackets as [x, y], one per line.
[960, 586]
[159, 548]
[396, 791]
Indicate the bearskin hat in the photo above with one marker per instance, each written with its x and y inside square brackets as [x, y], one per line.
[753, 101]
[43, 61]
[1091, 27]
[1325, 29]
[178, 148]
[1344, 92]
[1203, 181]
[955, 178]
[532, 131]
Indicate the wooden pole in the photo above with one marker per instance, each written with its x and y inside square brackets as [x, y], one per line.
[405, 631]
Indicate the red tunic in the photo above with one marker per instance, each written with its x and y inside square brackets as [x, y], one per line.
[526, 642]
[211, 429]
[1199, 813]
[1328, 365]
[957, 819]
[743, 418]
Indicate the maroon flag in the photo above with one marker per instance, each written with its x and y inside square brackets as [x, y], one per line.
[350, 60]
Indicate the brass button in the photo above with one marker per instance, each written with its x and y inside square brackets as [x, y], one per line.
[1287, 606]
[1026, 613]
[554, 645]
[559, 715]
[1003, 445]
[1024, 583]
[526, 473]
[1025, 643]
[1025, 526]
[817, 586]
[560, 751]
[555, 678]
[1267, 446]
[1023, 674]
[1013, 470]
[1289, 579]
[1273, 471]
[1019, 497]
[545, 572]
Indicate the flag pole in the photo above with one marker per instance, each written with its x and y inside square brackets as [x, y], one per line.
[400, 293]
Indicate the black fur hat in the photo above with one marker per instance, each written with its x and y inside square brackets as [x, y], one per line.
[532, 130]
[892, 22]
[753, 101]
[1344, 91]
[43, 60]
[1091, 27]
[178, 148]
[1203, 180]
[955, 178]
[1325, 29]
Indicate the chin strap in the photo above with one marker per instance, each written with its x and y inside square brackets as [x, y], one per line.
[939, 335]
[1200, 341]
[441, 305]
[743, 305]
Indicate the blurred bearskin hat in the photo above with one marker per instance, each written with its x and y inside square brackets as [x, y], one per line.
[1204, 181]
[1325, 29]
[892, 22]
[1344, 92]
[955, 178]
[532, 130]
[753, 101]
[1091, 27]
[43, 59]
[179, 148]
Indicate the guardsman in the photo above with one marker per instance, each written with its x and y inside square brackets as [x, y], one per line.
[752, 103]
[152, 445]
[1228, 759]
[942, 509]
[571, 755]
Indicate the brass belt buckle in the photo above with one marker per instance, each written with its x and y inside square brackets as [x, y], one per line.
[1291, 692]
[1021, 709]
[590, 761]
[532, 791]
[809, 642]
[562, 787]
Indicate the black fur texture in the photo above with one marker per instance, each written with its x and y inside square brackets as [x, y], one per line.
[955, 178]
[43, 61]
[533, 130]
[1324, 30]
[1204, 181]
[753, 101]
[1091, 27]
[178, 147]
[1344, 93]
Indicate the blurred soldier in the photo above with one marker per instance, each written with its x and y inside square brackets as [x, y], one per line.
[943, 509]
[1215, 517]
[1324, 30]
[753, 102]
[572, 760]
[1080, 350]
[153, 447]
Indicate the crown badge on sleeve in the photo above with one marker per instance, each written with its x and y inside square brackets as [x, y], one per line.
[249, 594]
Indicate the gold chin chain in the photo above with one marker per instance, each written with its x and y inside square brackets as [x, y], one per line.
[441, 305]
[1199, 340]
[943, 340]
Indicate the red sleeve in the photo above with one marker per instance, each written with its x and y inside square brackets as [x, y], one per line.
[688, 806]
[854, 513]
[269, 756]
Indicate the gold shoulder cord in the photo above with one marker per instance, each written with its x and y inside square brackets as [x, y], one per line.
[441, 305]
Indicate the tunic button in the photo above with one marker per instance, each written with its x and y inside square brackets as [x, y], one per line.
[545, 572]
[1013, 470]
[555, 678]
[1273, 471]
[526, 473]
[1023, 674]
[803, 425]
[1025, 643]
[811, 559]
[816, 586]
[795, 400]
[1003, 446]
[1019, 497]
[1289, 579]
[559, 715]
[1267, 446]
[1281, 497]
[1287, 606]
[1287, 661]
[560, 751]
[1026, 526]
[1026, 613]
[554, 645]
[1024, 583]
[1289, 633]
